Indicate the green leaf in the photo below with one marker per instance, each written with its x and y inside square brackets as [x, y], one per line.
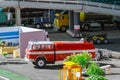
[94, 77]
[94, 69]
[82, 59]
[4, 54]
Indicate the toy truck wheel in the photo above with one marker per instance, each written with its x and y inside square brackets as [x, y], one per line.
[63, 28]
[88, 39]
[91, 41]
[38, 26]
[40, 62]
[98, 41]
[86, 27]
[106, 41]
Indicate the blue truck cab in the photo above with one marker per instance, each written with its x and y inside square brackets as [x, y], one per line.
[45, 21]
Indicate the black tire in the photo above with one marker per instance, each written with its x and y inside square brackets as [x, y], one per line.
[92, 41]
[88, 39]
[37, 26]
[98, 41]
[86, 27]
[106, 41]
[40, 62]
[63, 28]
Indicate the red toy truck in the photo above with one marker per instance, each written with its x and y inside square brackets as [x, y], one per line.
[42, 52]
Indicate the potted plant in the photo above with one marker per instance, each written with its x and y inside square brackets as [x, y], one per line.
[82, 59]
[93, 70]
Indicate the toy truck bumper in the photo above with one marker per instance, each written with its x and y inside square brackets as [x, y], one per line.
[29, 60]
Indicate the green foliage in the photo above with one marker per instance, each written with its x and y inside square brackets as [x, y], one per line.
[4, 54]
[69, 58]
[94, 69]
[81, 59]
[94, 77]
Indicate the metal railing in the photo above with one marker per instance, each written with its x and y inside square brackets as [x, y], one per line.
[115, 2]
[95, 3]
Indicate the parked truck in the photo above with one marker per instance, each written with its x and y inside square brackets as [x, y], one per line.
[88, 21]
[46, 20]
[41, 53]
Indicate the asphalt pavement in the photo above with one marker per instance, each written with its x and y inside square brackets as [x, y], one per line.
[51, 72]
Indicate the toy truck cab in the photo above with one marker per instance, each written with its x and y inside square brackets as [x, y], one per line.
[40, 52]
[61, 21]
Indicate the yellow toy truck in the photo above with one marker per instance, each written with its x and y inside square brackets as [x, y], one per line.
[102, 38]
[61, 21]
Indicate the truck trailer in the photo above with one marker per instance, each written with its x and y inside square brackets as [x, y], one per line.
[88, 21]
